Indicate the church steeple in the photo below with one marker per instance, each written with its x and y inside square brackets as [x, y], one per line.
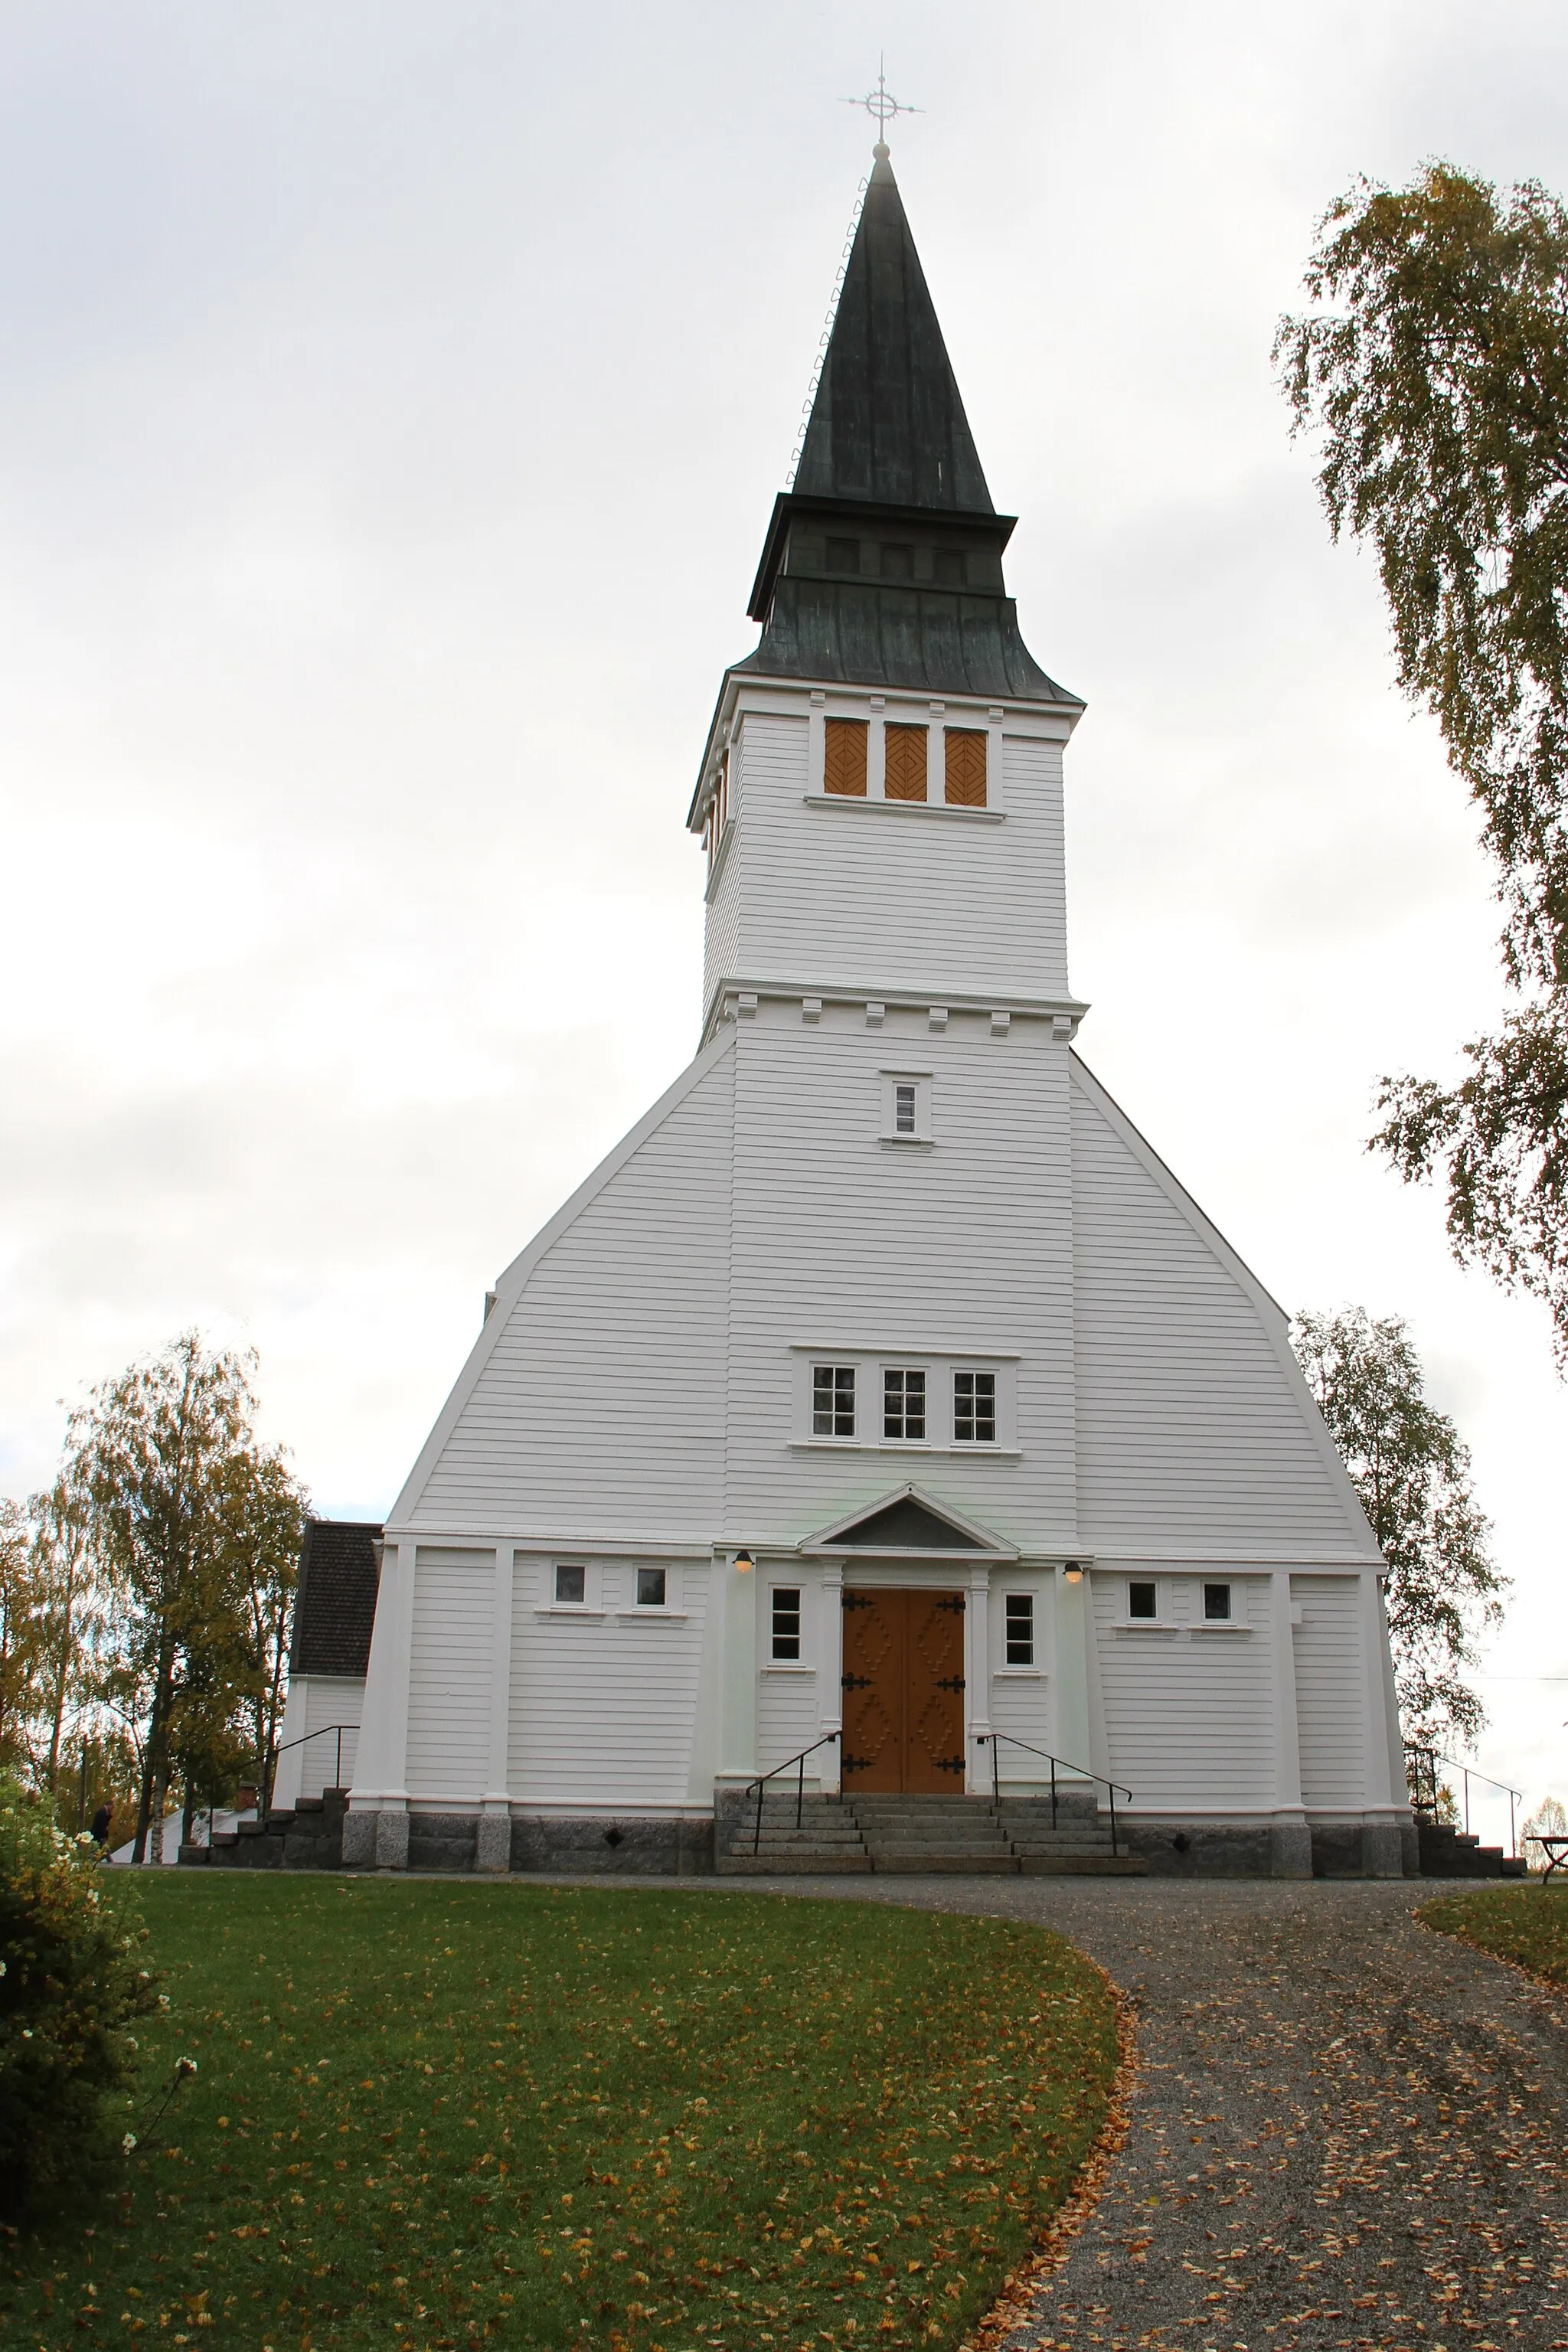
[888, 423]
[882, 567]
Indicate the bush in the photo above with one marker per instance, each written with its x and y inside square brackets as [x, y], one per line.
[71, 1984]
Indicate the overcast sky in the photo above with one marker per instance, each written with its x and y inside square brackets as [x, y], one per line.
[392, 400]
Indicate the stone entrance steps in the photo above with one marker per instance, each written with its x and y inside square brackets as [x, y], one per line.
[915, 1835]
[1449, 1852]
[308, 1838]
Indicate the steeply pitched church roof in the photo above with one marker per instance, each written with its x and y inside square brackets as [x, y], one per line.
[883, 566]
[888, 423]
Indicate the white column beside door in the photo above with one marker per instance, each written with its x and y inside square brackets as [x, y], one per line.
[830, 1676]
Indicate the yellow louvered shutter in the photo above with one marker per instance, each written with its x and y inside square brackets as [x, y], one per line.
[906, 772]
[966, 766]
[843, 763]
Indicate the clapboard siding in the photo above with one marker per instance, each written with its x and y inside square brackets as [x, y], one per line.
[786, 1722]
[849, 895]
[1191, 1430]
[1189, 1716]
[1331, 1687]
[449, 1679]
[599, 1409]
[839, 1237]
[329, 1699]
[603, 1710]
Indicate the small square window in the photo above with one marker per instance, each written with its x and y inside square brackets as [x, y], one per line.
[653, 1587]
[904, 1107]
[833, 1400]
[844, 555]
[903, 1404]
[1020, 1629]
[786, 1621]
[1142, 1600]
[897, 563]
[1216, 1604]
[974, 1408]
[571, 1587]
[948, 567]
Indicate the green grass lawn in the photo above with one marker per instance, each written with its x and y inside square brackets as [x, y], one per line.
[433, 2114]
[1527, 1924]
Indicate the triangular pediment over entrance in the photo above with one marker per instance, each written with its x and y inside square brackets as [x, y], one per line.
[910, 1521]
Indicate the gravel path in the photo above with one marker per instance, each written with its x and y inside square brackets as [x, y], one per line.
[1346, 2130]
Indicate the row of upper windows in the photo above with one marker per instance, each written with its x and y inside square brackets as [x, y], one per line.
[906, 772]
[834, 1407]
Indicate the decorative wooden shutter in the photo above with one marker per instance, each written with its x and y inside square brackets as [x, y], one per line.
[966, 767]
[906, 772]
[843, 761]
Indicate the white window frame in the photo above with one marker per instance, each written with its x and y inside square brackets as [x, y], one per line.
[1201, 1627]
[967, 1446]
[924, 1372]
[802, 1665]
[1160, 1614]
[923, 1134]
[836, 1364]
[592, 1601]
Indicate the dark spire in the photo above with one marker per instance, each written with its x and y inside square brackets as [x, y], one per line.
[882, 567]
[888, 423]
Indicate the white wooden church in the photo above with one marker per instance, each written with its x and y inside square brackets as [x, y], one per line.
[882, 1400]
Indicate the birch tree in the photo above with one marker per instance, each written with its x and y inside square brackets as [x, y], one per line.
[1434, 368]
[1411, 1472]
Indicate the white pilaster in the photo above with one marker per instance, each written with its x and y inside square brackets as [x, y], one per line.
[1071, 1647]
[977, 1678]
[830, 1674]
[738, 1736]
[1387, 1797]
[1289, 1839]
[816, 744]
[877, 754]
[380, 1764]
[494, 1843]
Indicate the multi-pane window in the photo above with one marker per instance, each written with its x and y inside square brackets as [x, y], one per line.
[1020, 1629]
[974, 1408]
[904, 777]
[653, 1587]
[833, 1400]
[964, 767]
[786, 1621]
[843, 758]
[570, 1586]
[1142, 1600]
[904, 1107]
[903, 1403]
[1216, 1604]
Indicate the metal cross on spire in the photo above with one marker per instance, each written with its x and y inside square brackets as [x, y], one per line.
[883, 107]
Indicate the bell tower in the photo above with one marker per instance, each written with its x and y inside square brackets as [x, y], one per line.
[881, 792]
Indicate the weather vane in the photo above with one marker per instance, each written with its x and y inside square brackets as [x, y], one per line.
[882, 106]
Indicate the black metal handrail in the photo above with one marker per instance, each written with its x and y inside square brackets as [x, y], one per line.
[319, 1733]
[1081, 1771]
[798, 1762]
[1431, 1758]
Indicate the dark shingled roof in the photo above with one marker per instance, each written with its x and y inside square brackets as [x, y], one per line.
[883, 566]
[334, 1608]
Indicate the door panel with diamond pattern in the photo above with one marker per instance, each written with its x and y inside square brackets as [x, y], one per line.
[903, 1692]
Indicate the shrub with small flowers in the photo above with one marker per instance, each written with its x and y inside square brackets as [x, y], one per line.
[72, 1983]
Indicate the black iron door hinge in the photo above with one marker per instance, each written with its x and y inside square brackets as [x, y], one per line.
[950, 1763]
[856, 1682]
[955, 1604]
[951, 1682]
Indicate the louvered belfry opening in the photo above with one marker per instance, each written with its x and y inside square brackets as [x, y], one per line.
[905, 762]
[965, 754]
[843, 758]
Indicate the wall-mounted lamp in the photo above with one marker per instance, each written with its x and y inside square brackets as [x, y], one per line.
[744, 1563]
[1073, 1573]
